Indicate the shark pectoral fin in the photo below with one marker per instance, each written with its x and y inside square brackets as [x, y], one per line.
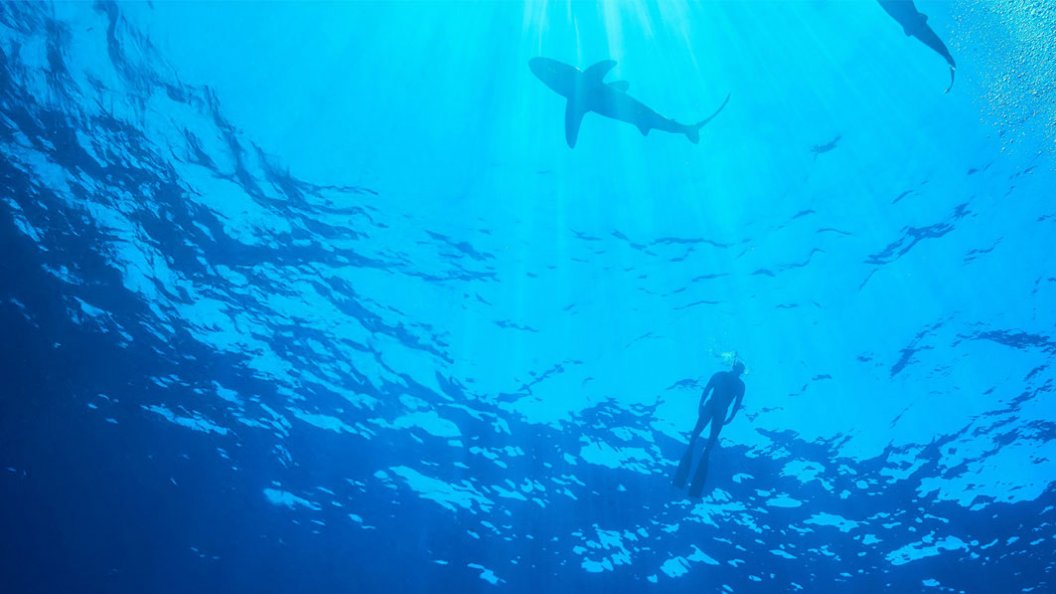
[620, 85]
[573, 118]
[644, 129]
[598, 71]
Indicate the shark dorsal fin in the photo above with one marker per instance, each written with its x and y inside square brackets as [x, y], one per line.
[597, 72]
[620, 85]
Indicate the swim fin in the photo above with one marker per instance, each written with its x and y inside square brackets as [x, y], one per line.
[683, 468]
[697, 488]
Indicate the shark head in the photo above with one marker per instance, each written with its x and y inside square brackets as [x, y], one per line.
[561, 78]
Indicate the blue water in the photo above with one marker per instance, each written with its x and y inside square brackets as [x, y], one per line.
[317, 298]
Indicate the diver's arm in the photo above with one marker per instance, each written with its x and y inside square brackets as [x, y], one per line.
[704, 396]
[736, 405]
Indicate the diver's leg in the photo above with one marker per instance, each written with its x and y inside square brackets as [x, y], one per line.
[716, 426]
[702, 422]
[682, 473]
[697, 487]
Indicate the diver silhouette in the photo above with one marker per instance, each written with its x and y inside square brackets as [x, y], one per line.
[725, 387]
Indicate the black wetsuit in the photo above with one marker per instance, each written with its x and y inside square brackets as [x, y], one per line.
[725, 387]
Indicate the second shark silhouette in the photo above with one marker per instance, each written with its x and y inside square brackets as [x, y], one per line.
[915, 24]
[587, 91]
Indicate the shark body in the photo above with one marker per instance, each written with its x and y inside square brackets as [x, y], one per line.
[587, 91]
[915, 24]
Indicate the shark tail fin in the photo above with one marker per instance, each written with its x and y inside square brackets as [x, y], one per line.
[953, 73]
[693, 130]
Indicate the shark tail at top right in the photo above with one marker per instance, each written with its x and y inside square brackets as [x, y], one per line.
[693, 131]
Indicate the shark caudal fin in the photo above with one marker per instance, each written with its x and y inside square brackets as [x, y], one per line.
[693, 130]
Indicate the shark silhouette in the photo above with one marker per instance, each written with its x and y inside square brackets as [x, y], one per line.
[915, 24]
[587, 91]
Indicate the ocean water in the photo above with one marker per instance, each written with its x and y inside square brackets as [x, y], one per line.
[316, 297]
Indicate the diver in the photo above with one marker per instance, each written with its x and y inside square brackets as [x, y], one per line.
[725, 387]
